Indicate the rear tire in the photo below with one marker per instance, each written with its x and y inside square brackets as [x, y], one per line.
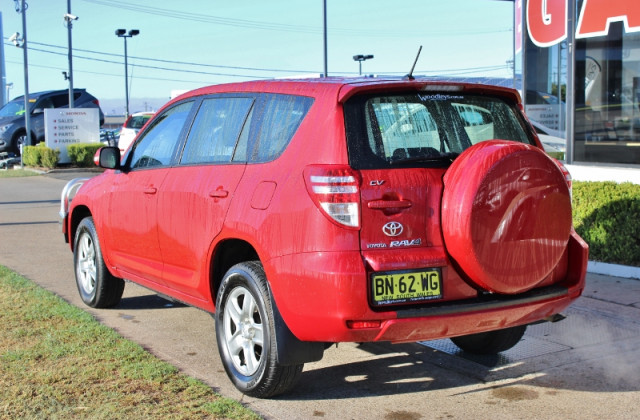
[491, 342]
[98, 288]
[246, 336]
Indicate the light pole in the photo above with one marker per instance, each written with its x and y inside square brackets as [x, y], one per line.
[21, 7]
[122, 33]
[360, 58]
[69, 18]
[9, 87]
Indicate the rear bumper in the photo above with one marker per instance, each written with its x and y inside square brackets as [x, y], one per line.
[328, 301]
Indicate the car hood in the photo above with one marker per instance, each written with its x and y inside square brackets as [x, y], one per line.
[9, 120]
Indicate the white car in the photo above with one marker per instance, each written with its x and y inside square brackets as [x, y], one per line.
[552, 140]
[130, 129]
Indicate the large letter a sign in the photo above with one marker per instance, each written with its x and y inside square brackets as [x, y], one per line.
[547, 19]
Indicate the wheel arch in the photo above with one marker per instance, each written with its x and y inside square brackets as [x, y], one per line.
[228, 253]
[79, 213]
[290, 350]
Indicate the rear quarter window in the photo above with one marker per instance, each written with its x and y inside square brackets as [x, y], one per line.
[419, 128]
[279, 120]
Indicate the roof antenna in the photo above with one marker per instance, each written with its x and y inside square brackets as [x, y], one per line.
[410, 75]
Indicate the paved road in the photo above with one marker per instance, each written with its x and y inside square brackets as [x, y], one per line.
[586, 367]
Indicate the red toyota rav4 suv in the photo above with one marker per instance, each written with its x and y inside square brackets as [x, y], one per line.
[304, 213]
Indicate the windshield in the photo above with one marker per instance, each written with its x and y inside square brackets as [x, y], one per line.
[14, 108]
[425, 127]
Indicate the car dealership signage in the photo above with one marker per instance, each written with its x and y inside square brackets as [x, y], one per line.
[547, 20]
[63, 127]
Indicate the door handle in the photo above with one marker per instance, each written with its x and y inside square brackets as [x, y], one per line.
[150, 190]
[220, 193]
[389, 204]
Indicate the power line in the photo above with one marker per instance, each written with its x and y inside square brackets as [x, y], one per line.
[252, 24]
[177, 62]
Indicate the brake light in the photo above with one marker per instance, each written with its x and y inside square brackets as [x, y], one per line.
[336, 192]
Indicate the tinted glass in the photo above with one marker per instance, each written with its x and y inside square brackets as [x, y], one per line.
[388, 130]
[157, 145]
[216, 129]
[281, 118]
[137, 121]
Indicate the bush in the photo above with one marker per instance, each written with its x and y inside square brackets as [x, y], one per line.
[607, 216]
[81, 154]
[40, 155]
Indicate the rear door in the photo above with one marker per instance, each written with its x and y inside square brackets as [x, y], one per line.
[196, 194]
[403, 144]
[401, 193]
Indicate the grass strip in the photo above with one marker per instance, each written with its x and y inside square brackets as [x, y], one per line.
[17, 173]
[57, 361]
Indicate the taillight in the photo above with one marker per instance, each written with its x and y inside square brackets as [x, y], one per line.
[336, 192]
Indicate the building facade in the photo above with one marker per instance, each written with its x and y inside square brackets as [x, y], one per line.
[578, 62]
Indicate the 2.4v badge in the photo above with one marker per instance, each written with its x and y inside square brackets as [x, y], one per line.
[392, 229]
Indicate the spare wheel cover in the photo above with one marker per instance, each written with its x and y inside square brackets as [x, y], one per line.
[506, 215]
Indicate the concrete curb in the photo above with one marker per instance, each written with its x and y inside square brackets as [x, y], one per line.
[615, 270]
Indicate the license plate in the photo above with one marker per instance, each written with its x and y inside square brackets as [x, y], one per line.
[406, 287]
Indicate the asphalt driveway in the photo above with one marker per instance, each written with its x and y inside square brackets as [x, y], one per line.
[585, 367]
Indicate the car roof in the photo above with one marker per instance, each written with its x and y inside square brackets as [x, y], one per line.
[345, 87]
[37, 95]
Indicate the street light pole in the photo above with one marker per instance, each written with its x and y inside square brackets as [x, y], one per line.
[122, 33]
[69, 18]
[360, 58]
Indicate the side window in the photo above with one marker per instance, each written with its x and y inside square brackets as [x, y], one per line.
[157, 145]
[215, 131]
[60, 100]
[280, 120]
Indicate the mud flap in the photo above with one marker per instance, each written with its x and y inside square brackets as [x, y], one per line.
[290, 350]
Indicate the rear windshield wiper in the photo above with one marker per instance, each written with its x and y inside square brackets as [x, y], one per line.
[447, 157]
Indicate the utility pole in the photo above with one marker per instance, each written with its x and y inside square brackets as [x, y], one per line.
[21, 7]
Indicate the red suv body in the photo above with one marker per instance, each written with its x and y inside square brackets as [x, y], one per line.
[319, 211]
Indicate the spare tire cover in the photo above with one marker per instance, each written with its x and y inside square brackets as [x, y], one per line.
[506, 215]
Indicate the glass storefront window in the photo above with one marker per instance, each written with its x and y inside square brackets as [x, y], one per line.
[607, 89]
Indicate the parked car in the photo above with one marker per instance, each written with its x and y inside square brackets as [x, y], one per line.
[109, 137]
[131, 127]
[12, 122]
[552, 140]
[309, 212]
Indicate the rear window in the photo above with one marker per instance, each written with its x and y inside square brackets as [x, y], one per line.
[432, 128]
[137, 121]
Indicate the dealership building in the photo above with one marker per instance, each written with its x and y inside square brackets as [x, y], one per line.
[578, 65]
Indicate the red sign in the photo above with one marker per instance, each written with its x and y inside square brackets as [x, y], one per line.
[596, 15]
[547, 19]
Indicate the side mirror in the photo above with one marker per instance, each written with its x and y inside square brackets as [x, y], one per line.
[108, 158]
[37, 111]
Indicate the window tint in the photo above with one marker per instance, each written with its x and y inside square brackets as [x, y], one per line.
[387, 130]
[281, 118]
[137, 121]
[157, 145]
[61, 100]
[215, 131]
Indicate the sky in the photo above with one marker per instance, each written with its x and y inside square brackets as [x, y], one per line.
[186, 45]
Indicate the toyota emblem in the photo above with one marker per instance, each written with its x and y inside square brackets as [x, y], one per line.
[392, 229]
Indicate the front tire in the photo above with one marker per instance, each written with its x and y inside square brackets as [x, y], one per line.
[491, 342]
[98, 288]
[18, 140]
[245, 332]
